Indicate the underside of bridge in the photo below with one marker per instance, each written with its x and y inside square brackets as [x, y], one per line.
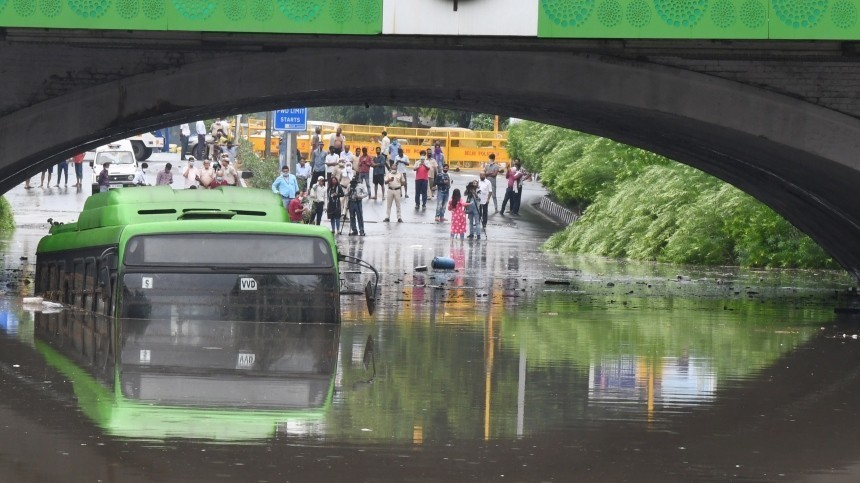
[65, 91]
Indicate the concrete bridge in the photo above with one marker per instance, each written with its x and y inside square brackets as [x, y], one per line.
[776, 117]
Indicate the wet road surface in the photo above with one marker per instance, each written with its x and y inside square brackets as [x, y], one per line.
[516, 366]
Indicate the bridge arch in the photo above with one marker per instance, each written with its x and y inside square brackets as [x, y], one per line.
[796, 157]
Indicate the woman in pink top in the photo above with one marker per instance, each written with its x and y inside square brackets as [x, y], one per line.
[458, 216]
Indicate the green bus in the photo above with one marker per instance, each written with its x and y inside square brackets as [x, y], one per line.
[189, 281]
[231, 254]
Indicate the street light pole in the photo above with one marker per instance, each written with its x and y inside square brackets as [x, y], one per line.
[267, 151]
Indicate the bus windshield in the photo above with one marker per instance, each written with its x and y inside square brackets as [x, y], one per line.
[239, 296]
[207, 249]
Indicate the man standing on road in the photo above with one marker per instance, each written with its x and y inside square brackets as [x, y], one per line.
[331, 161]
[384, 144]
[229, 172]
[491, 170]
[79, 168]
[207, 174]
[438, 156]
[401, 162]
[443, 184]
[190, 174]
[337, 141]
[318, 194]
[184, 135]
[103, 179]
[347, 156]
[219, 180]
[296, 209]
[356, 195]
[286, 186]
[316, 139]
[317, 164]
[365, 163]
[514, 174]
[200, 149]
[165, 177]
[393, 148]
[140, 175]
[379, 163]
[393, 180]
[422, 172]
[485, 190]
[303, 173]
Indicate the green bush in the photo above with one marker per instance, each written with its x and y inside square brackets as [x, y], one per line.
[7, 220]
[642, 206]
[265, 170]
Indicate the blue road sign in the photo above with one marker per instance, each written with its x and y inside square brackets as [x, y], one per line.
[291, 119]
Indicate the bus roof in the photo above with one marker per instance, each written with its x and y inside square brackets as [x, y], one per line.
[106, 215]
[162, 203]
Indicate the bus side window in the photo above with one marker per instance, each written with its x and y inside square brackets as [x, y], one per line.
[101, 302]
[44, 279]
[53, 282]
[78, 282]
[63, 283]
[89, 284]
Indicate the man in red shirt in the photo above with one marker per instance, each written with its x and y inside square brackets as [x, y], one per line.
[365, 162]
[296, 209]
[79, 168]
[422, 172]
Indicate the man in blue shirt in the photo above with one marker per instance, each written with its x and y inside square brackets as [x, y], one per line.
[392, 151]
[317, 164]
[443, 184]
[286, 186]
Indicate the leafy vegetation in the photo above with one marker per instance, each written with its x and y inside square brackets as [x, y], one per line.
[642, 206]
[7, 221]
[265, 170]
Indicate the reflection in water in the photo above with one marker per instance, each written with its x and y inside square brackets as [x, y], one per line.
[224, 381]
[485, 364]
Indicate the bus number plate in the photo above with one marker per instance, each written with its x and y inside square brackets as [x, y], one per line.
[245, 361]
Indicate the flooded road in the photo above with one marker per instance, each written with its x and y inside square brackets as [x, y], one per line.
[516, 366]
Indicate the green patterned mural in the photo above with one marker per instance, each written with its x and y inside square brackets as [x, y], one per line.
[287, 16]
[700, 19]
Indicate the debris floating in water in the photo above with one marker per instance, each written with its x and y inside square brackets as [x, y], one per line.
[556, 282]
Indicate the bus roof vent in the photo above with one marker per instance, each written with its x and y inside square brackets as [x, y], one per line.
[162, 211]
[206, 214]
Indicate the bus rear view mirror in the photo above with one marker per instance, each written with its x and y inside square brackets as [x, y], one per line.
[247, 174]
[370, 297]
[104, 281]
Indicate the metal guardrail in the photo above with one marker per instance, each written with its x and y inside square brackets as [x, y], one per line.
[557, 211]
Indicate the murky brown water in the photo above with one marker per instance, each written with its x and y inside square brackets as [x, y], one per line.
[611, 372]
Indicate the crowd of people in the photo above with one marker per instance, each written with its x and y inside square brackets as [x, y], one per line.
[338, 180]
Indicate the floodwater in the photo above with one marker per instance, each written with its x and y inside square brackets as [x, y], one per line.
[517, 366]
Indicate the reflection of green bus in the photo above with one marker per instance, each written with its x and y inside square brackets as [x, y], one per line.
[244, 381]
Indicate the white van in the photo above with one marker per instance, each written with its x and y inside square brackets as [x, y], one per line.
[123, 164]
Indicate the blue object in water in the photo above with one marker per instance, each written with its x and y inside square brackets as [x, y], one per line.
[442, 263]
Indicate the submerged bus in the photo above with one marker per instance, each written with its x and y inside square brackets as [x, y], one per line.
[158, 260]
[155, 253]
